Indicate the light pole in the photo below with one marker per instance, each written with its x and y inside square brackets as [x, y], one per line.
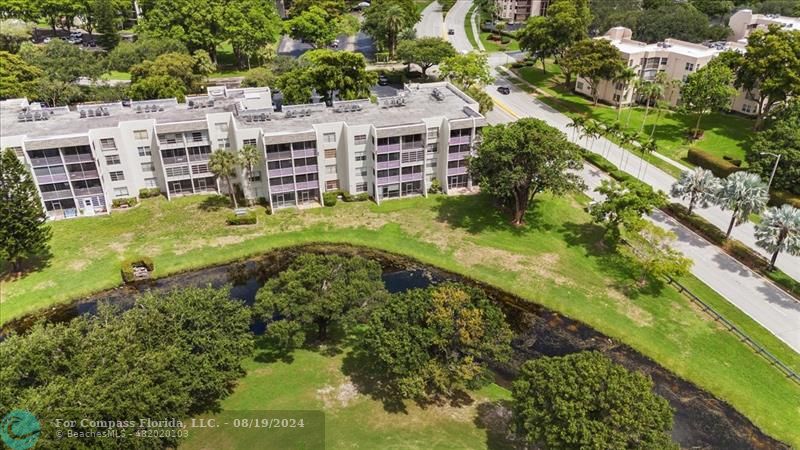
[774, 168]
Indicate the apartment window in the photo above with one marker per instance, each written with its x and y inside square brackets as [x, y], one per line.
[329, 138]
[197, 136]
[664, 61]
[199, 168]
[255, 176]
[112, 160]
[144, 150]
[432, 163]
[148, 167]
[249, 142]
[362, 172]
[330, 153]
[177, 171]
[140, 134]
[360, 139]
[116, 176]
[222, 126]
[108, 144]
[150, 182]
[689, 67]
[223, 143]
[747, 108]
[361, 156]
[433, 133]
[361, 187]
[121, 192]
[616, 98]
[330, 170]
[332, 185]
[579, 85]
[433, 148]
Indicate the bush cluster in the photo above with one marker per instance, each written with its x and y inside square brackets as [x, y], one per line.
[717, 166]
[348, 197]
[698, 224]
[778, 198]
[330, 198]
[128, 264]
[435, 187]
[149, 192]
[245, 219]
[127, 202]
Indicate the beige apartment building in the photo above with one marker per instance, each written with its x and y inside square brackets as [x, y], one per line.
[516, 11]
[744, 22]
[678, 59]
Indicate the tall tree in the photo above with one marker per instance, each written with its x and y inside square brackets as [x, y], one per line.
[249, 157]
[223, 165]
[179, 66]
[624, 205]
[329, 72]
[249, 27]
[425, 52]
[780, 138]
[385, 20]
[317, 292]
[535, 38]
[17, 77]
[699, 185]
[23, 230]
[13, 33]
[677, 21]
[157, 86]
[743, 193]
[314, 26]
[519, 160]
[196, 23]
[107, 18]
[595, 60]
[430, 343]
[584, 400]
[707, 90]
[779, 231]
[651, 249]
[769, 69]
[467, 70]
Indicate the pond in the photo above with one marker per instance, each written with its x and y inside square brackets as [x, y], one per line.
[701, 420]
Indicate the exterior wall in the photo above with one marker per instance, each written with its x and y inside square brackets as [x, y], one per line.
[520, 10]
[744, 22]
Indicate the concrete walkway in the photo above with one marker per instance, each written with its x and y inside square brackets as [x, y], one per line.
[476, 32]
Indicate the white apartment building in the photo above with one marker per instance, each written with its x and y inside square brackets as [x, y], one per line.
[678, 59]
[515, 11]
[744, 22]
[83, 157]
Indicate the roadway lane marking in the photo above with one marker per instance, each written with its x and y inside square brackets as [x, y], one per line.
[506, 109]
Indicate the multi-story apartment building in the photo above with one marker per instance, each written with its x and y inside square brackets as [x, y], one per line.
[678, 59]
[744, 22]
[84, 157]
[516, 11]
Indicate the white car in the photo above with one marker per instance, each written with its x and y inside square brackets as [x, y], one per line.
[46, 40]
[335, 43]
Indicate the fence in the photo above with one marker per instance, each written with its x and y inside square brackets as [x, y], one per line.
[738, 333]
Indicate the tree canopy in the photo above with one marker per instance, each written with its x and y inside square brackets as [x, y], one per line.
[17, 77]
[707, 90]
[521, 159]
[584, 400]
[677, 21]
[595, 60]
[385, 20]
[467, 70]
[566, 22]
[425, 52]
[427, 343]
[330, 72]
[779, 231]
[624, 205]
[782, 137]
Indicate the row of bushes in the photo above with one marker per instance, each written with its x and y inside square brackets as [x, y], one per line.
[331, 197]
[244, 219]
[778, 198]
[128, 264]
[149, 192]
[126, 202]
[717, 166]
[606, 166]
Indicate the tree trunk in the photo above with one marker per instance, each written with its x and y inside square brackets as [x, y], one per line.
[697, 125]
[544, 69]
[730, 226]
[520, 206]
[691, 203]
[646, 111]
[658, 117]
[232, 193]
[322, 329]
[772, 260]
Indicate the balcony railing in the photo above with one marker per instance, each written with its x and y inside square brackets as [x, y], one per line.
[57, 178]
[274, 156]
[83, 175]
[457, 156]
[174, 159]
[280, 188]
[54, 195]
[389, 164]
[304, 153]
[456, 170]
[79, 158]
[311, 168]
[88, 191]
[166, 145]
[388, 148]
[46, 161]
[307, 185]
[195, 143]
[388, 180]
[411, 176]
[458, 140]
[280, 172]
[200, 157]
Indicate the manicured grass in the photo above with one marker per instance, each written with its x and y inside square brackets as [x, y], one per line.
[311, 381]
[725, 134]
[468, 28]
[557, 260]
[422, 4]
[116, 75]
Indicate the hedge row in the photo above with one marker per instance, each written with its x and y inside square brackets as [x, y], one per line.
[120, 202]
[696, 223]
[149, 192]
[606, 166]
[717, 166]
[128, 264]
[778, 198]
[245, 219]
[330, 198]
[362, 197]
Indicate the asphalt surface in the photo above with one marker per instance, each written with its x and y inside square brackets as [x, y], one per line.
[431, 24]
[455, 21]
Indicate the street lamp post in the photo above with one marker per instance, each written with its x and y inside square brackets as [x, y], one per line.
[774, 168]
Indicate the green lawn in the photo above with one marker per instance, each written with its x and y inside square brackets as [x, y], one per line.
[422, 4]
[725, 134]
[491, 46]
[468, 28]
[312, 381]
[115, 75]
[556, 260]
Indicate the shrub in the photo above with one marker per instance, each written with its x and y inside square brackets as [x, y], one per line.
[504, 40]
[120, 202]
[717, 166]
[778, 198]
[696, 223]
[330, 198]
[126, 268]
[245, 219]
[149, 192]
[435, 187]
[348, 197]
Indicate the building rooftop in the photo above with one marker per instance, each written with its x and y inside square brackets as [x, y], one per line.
[252, 108]
[620, 38]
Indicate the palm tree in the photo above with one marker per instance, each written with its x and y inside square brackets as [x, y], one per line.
[625, 138]
[653, 93]
[647, 148]
[743, 193]
[672, 86]
[624, 77]
[700, 185]
[611, 132]
[394, 24]
[591, 131]
[576, 124]
[248, 158]
[779, 231]
[223, 165]
[640, 88]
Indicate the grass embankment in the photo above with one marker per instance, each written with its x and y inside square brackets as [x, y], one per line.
[557, 260]
[468, 28]
[725, 134]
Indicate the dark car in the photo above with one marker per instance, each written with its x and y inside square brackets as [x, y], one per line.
[382, 80]
[451, 31]
[505, 90]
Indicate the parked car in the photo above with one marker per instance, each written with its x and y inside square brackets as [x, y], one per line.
[382, 80]
[46, 40]
[451, 31]
[335, 43]
[75, 40]
[76, 34]
[505, 90]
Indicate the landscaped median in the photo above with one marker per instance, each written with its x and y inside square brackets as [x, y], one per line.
[556, 259]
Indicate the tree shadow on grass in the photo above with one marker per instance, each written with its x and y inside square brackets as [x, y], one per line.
[32, 264]
[496, 418]
[480, 213]
[358, 366]
[214, 203]
[268, 351]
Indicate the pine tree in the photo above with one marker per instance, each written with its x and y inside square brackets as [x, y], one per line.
[106, 17]
[23, 229]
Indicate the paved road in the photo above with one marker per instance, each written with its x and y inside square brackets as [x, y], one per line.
[768, 305]
[432, 22]
[455, 20]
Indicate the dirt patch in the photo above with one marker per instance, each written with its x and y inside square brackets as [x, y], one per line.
[625, 304]
[121, 243]
[339, 396]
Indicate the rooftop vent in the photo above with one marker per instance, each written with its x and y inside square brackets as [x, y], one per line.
[437, 94]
